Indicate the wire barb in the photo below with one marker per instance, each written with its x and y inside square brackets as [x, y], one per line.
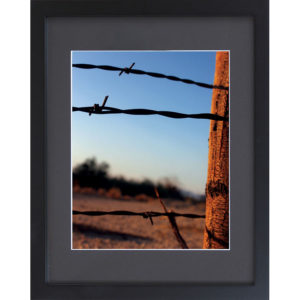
[104, 102]
[148, 215]
[96, 108]
[126, 70]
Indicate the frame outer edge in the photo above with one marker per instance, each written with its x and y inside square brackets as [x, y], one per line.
[40, 9]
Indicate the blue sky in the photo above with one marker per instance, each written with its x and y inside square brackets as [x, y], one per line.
[141, 147]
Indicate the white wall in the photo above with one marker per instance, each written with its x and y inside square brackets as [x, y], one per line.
[14, 128]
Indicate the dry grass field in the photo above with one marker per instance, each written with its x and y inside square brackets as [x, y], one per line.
[134, 232]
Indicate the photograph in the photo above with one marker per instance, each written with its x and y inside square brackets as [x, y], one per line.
[150, 140]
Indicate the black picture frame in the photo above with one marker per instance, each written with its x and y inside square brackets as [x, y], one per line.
[40, 10]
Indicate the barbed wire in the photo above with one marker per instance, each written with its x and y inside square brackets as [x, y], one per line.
[96, 109]
[152, 74]
[145, 214]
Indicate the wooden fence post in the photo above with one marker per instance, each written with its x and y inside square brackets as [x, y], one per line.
[216, 234]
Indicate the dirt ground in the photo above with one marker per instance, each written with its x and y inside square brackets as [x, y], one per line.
[134, 232]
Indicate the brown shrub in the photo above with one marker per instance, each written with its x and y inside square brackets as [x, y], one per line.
[142, 197]
[76, 189]
[114, 193]
[88, 191]
[83, 190]
[101, 192]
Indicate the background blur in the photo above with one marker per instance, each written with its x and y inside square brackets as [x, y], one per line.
[144, 148]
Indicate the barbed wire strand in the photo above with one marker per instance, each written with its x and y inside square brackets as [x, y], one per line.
[175, 115]
[146, 214]
[152, 74]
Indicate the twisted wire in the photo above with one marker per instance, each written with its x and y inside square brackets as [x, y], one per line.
[147, 214]
[170, 114]
[152, 74]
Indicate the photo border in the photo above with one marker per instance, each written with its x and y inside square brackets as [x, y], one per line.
[71, 172]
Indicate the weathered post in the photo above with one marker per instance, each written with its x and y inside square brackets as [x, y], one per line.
[216, 234]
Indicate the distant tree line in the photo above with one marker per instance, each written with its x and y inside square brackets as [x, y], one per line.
[95, 175]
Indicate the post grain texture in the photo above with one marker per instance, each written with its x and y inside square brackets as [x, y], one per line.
[216, 234]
